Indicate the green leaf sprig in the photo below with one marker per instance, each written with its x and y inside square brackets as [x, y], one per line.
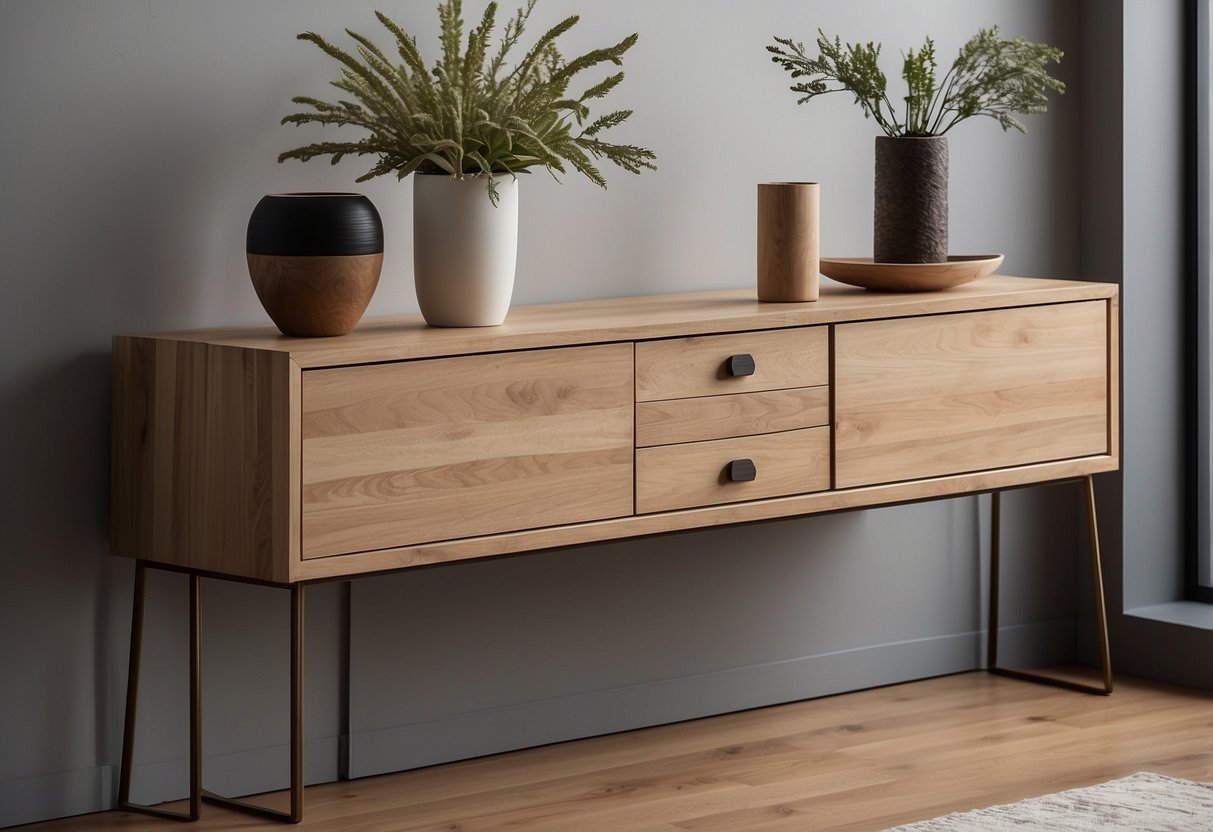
[470, 114]
[991, 76]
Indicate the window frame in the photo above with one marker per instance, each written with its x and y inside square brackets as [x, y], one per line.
[1198, 313]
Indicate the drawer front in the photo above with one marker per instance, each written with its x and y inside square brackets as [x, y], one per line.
[413, 452]
[680, 368]
[738, 414]
[948, 394]
[695, 474]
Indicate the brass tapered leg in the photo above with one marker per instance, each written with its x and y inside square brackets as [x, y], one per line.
[1101, 612]
[132, 704]
[296, 811]
[995, 560]
[297, 703]
[195, 695]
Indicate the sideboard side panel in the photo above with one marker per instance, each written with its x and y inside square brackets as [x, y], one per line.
[131, 461]
[203, 457]
[1114, 376]
[287, 420]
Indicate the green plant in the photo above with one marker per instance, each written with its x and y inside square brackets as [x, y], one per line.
[991, 76]
[469, 115]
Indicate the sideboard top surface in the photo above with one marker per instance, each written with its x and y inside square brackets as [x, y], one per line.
[634, 318]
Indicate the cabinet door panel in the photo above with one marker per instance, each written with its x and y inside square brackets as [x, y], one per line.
[413, 452]
[947, 394]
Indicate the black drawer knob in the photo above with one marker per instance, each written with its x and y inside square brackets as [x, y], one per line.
[740, 365]
[742, 470]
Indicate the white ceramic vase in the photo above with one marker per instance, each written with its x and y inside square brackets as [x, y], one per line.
[464, 249]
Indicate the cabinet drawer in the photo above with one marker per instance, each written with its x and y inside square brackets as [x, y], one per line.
[948, 394]
[737, 414]
[680, 368]
[695, 474]
[413, 452]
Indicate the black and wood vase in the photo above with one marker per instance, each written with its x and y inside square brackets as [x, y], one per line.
[911, 216]
[315, 260]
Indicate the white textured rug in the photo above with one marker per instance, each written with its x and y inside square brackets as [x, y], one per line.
[1142, 802]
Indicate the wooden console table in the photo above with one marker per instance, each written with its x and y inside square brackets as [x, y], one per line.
[244, 455]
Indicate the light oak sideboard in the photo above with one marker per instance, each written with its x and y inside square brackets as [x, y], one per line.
[242, 454]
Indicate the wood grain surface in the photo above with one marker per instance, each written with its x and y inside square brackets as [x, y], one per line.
[208, 435]
[721, 417]
[856, 762]
[680, 368]
[315, 296]
[910, 277]
[788, 241]
[1114, 403]
[205, 457]
[405, 453]
[941, 395]
[555, 537]
[638, 318]
[671, 477]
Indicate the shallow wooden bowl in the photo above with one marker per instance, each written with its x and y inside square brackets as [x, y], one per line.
[910, 277]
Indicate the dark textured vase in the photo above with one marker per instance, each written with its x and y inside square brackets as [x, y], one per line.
[911, 205]
[315, 260]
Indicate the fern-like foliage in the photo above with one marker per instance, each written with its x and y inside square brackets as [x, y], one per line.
[471, 113]
[991, 76]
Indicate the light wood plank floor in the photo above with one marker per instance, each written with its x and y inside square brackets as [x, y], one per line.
[861, 761]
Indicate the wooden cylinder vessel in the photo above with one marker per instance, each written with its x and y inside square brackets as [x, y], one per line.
[788, 244]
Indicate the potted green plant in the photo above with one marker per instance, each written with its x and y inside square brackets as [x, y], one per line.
[468, 126]
[991, 76]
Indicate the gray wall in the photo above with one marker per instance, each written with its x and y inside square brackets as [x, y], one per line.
[138, 135]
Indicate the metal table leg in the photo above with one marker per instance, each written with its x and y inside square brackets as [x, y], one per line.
[197, 793]
[132, 703]
[1101, 613]
[296, 811]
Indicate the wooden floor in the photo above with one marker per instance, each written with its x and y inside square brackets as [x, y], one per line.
[861, 761]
